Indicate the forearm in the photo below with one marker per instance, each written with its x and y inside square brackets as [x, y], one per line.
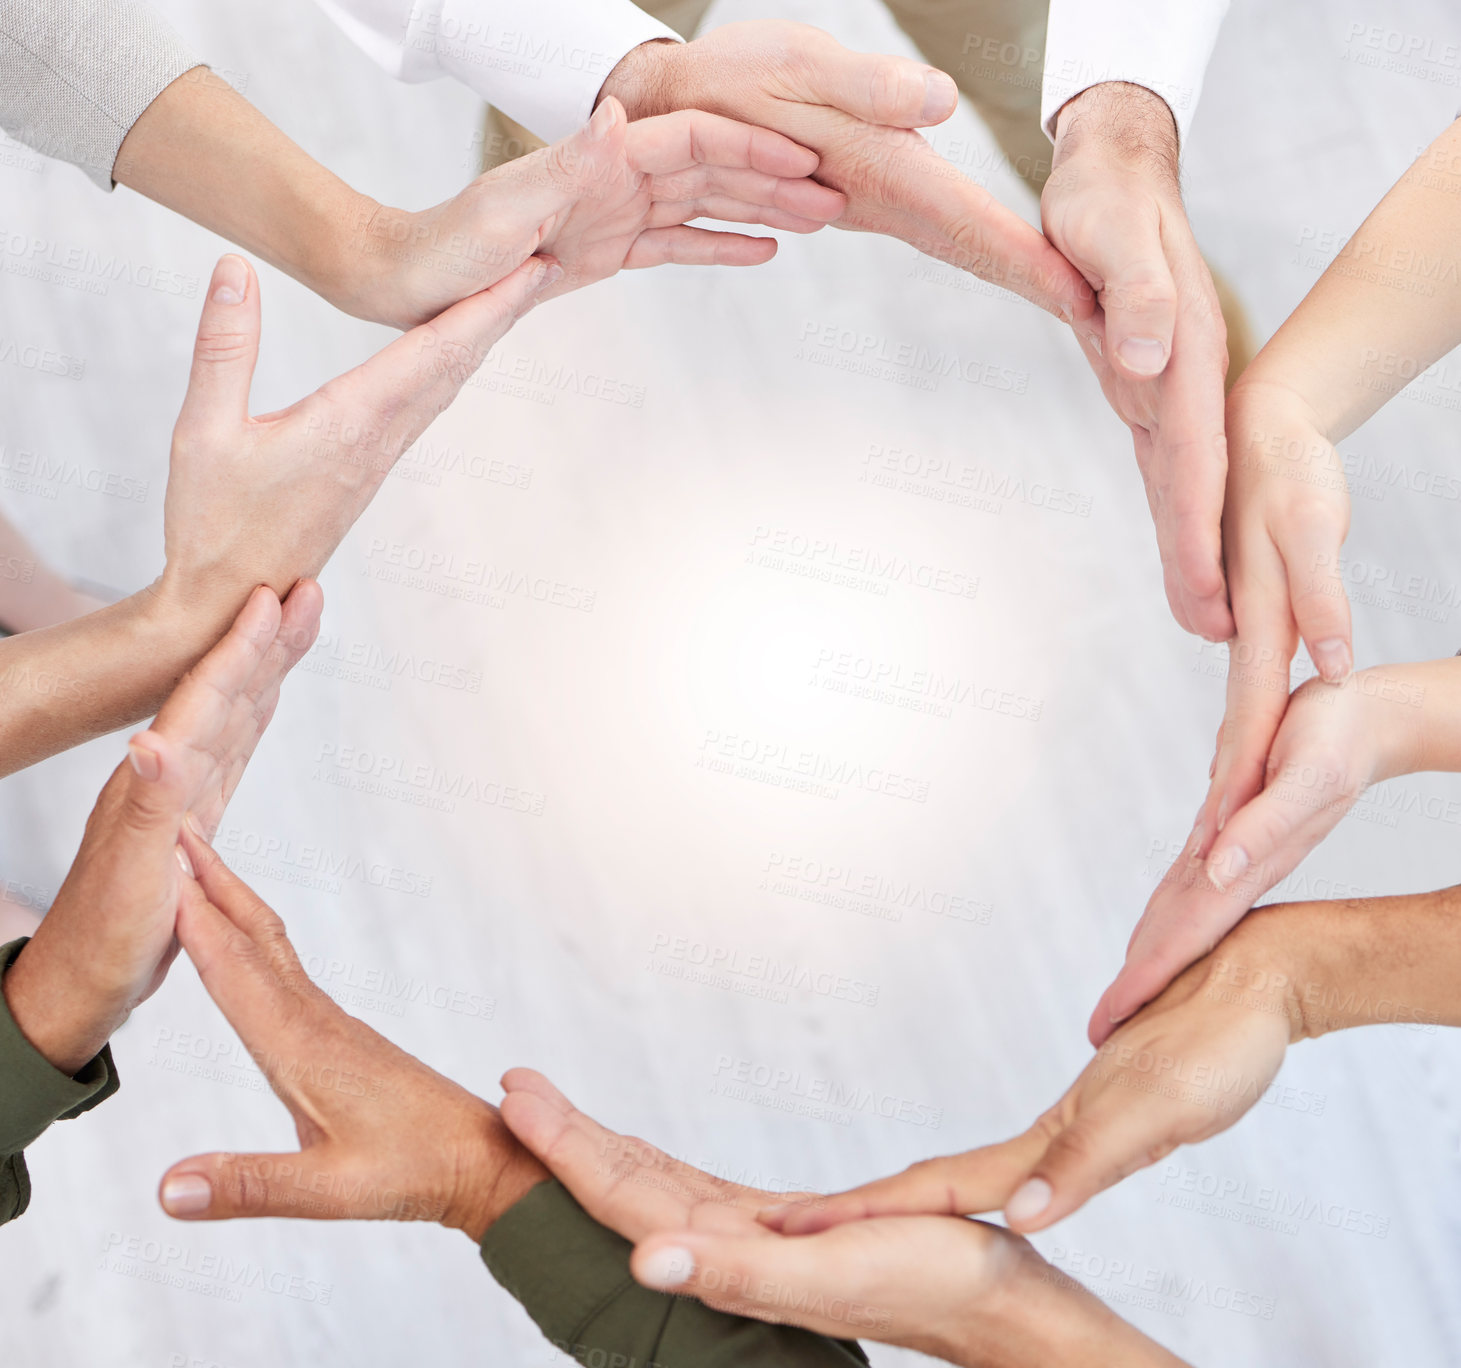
[1369, 962]
[63, 685]
[205, 152]
[1388, 306]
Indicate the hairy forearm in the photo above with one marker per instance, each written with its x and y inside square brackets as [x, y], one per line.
[205, 152]
[63, 685]
[1388, 306]
[1367, 962]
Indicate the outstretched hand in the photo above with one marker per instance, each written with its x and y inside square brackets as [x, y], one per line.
[107, 941]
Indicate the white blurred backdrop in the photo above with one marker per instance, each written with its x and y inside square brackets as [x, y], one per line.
[681, 452]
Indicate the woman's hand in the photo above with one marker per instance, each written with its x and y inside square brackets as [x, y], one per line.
[381, 1135]
[1186, 1067]
[962, 1290]
[1334, 741]
[107, 941]
[614, 195]
[268, 499]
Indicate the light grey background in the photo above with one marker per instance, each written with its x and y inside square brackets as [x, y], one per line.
[1059, 826]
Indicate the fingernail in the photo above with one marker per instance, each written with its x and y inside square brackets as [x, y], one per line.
[1142, 355]
[183, 861]
[1212, 768]
[1226, 868]
[196, 828]
[231, 281]
[1030, 1199]
[668, 1268]
[1333, 660]
[940, 95]
[1222, 817]
[146, 762]
[187, 1194]
[1093, 340]
[551, 276]
[602, 121]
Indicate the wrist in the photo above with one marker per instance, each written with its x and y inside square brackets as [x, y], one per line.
[648, 79]
[496, 1174]
[66, 1020]
[1394, 699]
[1119, 120]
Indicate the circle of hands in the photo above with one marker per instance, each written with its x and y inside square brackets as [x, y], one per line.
[792, 132]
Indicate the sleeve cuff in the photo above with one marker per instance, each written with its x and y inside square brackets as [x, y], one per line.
[546, 68]
[1165, 48]
[571, 1275]
[35, 1093]
[86, 71]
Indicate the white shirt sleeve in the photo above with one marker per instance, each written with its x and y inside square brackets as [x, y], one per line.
[542, 62]
[1163, 45]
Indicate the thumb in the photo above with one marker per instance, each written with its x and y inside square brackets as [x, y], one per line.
[894, 91]
[1088, 1156]
[221, 1187]
[155, 796]
[1125, 255]
[226, 350]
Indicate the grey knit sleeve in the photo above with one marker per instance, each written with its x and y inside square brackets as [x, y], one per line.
[75, 75]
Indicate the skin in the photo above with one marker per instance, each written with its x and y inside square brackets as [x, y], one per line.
[1388, 307]
[1334, 742]
[963, 1291]
[1118, 260]
[382, 1136]
[107, 941]
[1192, 1062]
[857, 112]
[249, 500]
[605, 199]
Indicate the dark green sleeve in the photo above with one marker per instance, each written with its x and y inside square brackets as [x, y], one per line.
[572, 1277]
[34, 1093]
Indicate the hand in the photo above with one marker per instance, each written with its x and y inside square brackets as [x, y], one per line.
[857, 112]
[382, 1137]
[1286, 518]
[1184, 1068]
[1158, 345]
[268, 499]
[962, 1290]
[107, 941]
[612, 196]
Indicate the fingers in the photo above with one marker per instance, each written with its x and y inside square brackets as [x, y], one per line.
[401, 390]
[672, 143]
[232, 899]
[881, 89]
[221, 1187]
[621, 1182]
[959, 1185]
[226, 351]
[1310, 548]
[742, 195]
[684, 246]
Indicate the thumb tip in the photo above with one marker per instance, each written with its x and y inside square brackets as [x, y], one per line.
[185, 1195]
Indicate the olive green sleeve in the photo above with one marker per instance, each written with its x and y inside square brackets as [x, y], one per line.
[572, 1277]
[34, 1093]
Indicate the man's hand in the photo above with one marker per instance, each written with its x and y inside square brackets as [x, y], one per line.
[857, 112]
[1335, 740]
[1113, 207]
[1186, 1067]
[107, 941]
[610, 197]
[964, 1291]
[382, 1136]
[268, 499]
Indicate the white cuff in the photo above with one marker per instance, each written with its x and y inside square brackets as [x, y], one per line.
[541, 62]
[1163, 45]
